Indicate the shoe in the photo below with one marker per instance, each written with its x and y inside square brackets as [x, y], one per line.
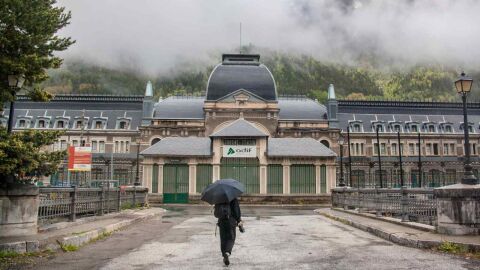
[226, 261]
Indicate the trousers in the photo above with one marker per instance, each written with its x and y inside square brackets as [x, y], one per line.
[228, 231]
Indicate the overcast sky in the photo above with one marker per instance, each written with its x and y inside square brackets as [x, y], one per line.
[154, 35]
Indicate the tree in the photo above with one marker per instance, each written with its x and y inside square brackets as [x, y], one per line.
[23, 155]
[28, 41]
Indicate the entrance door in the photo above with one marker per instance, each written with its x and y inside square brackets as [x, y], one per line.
[302, 179]
[175, 183]
[245, 170]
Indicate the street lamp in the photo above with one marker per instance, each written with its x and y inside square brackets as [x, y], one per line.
[14, 82]
[463, 85]
[137, 176]
[341, 141]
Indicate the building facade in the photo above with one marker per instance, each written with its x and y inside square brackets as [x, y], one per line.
[241, 128]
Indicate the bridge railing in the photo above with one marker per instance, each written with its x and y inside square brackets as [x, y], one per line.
[407, 204]
[60, 204]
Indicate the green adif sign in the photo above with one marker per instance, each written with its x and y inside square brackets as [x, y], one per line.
[239, 151]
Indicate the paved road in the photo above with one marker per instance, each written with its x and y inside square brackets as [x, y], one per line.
[275, 239]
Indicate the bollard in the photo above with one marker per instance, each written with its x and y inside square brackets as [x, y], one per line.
[73, 195]
[404, 204]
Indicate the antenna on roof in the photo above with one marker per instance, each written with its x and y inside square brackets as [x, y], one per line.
[240, 49]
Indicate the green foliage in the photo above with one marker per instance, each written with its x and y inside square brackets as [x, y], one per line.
[450, 247]
[8, 254]
[69, 247]
[28, 41]
[23, 154]
[294, 75]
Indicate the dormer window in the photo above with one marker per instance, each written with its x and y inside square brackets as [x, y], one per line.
[447, 128]
[60, 124]
[470, 127]
[3, 121]
[396, 128]
[41, 124]
[98, 124]
[413, 128]
[22, 123]
[429, 127]
[123, 123]
[356, 127]
[80, 124]
[378, 126]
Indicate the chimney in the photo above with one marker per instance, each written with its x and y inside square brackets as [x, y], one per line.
[148, 104]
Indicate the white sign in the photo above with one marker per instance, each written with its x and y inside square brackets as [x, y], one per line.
[239, 151]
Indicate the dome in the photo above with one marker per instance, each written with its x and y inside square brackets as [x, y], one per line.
[240, 71]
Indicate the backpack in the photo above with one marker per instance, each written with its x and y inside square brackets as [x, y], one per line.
[222, 211]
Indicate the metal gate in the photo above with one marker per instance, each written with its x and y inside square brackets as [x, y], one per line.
[155, 178]
[245, 170]
[204, 176]
[175, 183]
[302, 178]
[275, 179]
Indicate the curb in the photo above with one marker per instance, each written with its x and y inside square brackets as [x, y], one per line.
[394, 237]
[76, 240]
[413, 225]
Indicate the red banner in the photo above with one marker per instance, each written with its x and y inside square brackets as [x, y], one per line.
[80, 158]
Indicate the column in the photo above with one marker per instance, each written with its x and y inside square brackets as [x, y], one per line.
[263, 179]
[317, 179]
[192, 178]
[331, 177]
[160, 178]
[286, 178]
[216, 172]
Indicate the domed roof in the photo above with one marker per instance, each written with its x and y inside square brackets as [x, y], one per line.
[241, 71]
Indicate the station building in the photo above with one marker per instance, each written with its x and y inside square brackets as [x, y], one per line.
[240, 129]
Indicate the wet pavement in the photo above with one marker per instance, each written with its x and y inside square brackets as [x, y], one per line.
[275, 238]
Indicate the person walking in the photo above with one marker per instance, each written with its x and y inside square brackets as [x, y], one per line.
[229, 217]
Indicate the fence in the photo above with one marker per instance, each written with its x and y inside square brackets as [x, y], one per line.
[58, 204]
[392, 179]
[415, 204]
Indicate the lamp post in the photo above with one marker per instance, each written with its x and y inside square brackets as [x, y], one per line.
[340, 143]
[137, 175]
[14, 82]
[349, 159]
[463, 86]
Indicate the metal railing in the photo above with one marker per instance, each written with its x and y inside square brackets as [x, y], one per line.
[60, 204]
[408, 204]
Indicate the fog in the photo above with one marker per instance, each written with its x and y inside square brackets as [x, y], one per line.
[156, 35]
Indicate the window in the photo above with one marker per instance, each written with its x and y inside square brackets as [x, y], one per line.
[41, 124]
[75, 142]
[122, 146]
[448, 149]
[470, 129]
[411, 149]
[60, 124]
[383, 147]
[431, 149]
[379, 127]
[94, 146]
[448, 129]
[22, 123]
[356, 128]
[396, 128]
[122, 125]
[325, 142]
[431, 128]
[98, 124]
[413, 128]
[79, 124]
[154, 141]
[473, 149]
[63, 144]
[101, 146]
[357, 149]
[394, 149]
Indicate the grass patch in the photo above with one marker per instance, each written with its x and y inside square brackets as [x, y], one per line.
[8, 259]
[129, 205]
[101, 236]
[458, 249]
[69, 247]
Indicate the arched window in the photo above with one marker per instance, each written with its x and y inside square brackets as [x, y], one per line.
[22, 123]
[41, 124]
[154, 141]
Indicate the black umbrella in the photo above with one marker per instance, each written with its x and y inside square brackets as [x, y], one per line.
[222, 191]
